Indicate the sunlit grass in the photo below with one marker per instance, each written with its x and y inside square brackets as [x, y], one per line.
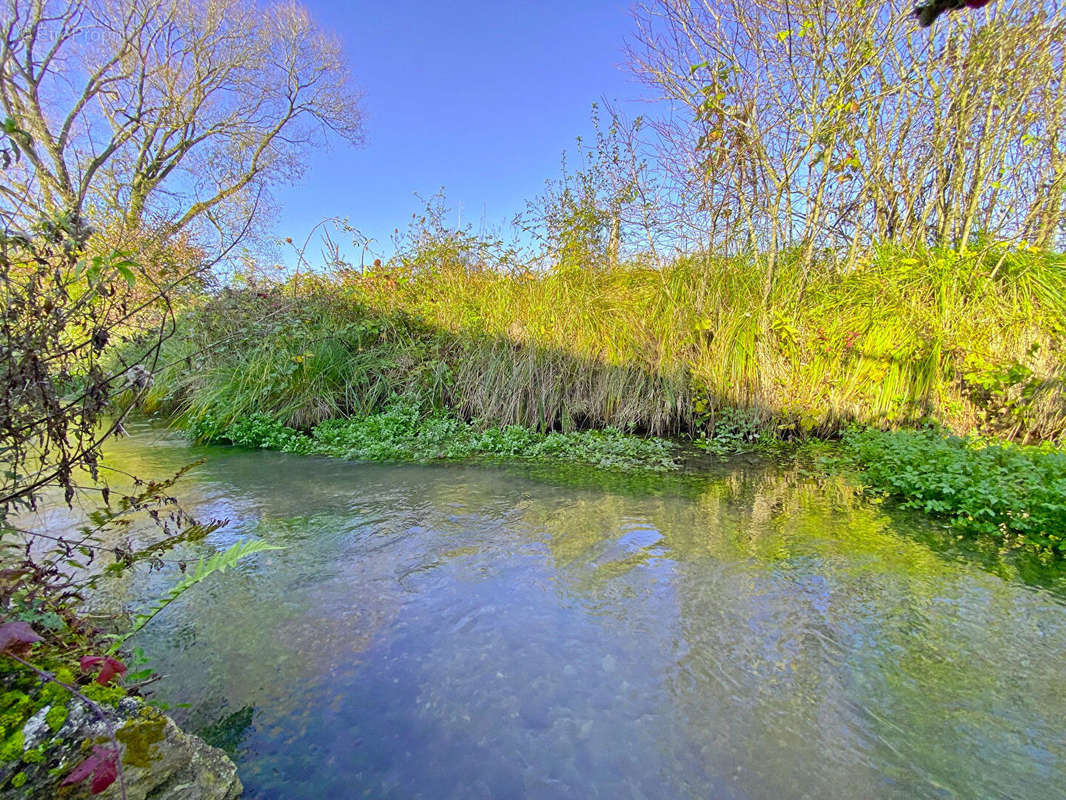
[972, 341]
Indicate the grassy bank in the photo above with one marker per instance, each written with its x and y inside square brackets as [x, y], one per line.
[974, 343]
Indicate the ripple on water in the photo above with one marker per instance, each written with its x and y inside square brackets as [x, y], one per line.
[468, 632]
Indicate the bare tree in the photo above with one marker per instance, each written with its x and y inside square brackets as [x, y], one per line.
[166, 116]
[830, 125]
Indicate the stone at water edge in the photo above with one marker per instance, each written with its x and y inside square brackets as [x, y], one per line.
[164, 762]
[159, 760]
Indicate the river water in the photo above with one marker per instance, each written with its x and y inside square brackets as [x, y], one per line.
[464, 631]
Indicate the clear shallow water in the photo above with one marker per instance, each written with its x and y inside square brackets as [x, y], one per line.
[470, 632]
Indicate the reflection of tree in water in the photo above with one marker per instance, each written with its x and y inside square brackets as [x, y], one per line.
[815, 637]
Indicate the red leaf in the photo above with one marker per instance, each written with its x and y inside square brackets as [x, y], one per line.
[16, 635]
[112, 668]
[105, 774]
[82, 771]
[88, 662]
[102, 765]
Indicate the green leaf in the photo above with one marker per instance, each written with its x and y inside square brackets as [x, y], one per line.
[126, 273]
[219, 562]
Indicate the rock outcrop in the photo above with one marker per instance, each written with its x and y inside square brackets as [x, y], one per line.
[159, 760]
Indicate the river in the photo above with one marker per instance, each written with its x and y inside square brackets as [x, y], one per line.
[471, 631]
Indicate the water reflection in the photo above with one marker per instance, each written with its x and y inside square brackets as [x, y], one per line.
[463, 631]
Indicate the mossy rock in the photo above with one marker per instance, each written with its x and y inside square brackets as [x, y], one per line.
[159, 760]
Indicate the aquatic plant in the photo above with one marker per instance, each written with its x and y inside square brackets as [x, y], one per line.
[1002, 490]
[402, 432]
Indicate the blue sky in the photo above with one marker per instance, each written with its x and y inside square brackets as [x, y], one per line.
[479, 98]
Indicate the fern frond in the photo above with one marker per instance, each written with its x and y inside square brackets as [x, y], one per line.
[219, 562]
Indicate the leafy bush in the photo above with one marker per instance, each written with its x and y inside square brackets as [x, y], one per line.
[997, 489]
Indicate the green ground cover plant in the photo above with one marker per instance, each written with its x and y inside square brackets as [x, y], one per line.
[401, 432]
[997, 489]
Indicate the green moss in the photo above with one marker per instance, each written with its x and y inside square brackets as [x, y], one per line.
[15, 709]
[107, 695]
[11, 749]
[55, 717]
[140, 738]
[53, 693]
[25, 697]
[19, 780]
[11, 699]
[34, 756]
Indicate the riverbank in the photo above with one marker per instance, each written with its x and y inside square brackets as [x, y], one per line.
[436, 356]
[973, 342]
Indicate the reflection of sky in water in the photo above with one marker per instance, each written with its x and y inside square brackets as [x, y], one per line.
[460, 631]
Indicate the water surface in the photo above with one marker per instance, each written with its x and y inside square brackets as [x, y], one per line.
[444, 631]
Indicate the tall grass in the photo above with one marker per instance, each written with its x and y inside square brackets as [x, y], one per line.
[972, 341]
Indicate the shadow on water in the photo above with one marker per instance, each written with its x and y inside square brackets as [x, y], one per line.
[228, 731]
[748, 630]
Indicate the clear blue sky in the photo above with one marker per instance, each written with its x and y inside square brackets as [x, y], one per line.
[479, 98]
